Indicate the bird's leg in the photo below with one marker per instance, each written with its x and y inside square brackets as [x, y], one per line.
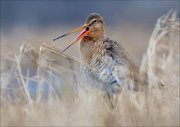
[111, 100]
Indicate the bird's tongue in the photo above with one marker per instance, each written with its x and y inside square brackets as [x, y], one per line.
[81, 35]
[84, 32]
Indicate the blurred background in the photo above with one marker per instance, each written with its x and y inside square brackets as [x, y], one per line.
[128, 22]
[45, 89]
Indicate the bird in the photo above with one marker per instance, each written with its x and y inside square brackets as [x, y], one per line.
[105, 62]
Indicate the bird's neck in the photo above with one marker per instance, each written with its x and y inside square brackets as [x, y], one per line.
[91, 49]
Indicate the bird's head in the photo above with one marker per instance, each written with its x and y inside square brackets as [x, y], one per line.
[95, 25]
[93, 28]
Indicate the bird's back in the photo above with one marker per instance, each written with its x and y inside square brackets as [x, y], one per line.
[108, 65]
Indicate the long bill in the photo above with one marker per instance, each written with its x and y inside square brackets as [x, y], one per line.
[81, 35]
[75, 30]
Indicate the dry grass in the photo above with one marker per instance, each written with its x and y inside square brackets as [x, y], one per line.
[44, 88]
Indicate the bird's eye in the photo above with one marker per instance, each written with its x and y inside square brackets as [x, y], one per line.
[95, 21]
[87, 28]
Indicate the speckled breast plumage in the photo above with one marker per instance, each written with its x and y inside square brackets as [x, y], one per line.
[106, 65]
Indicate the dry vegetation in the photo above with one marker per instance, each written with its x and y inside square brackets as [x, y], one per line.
[44, 88]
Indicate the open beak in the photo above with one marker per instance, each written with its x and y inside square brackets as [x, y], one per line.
[74, 31]
[85, 31]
